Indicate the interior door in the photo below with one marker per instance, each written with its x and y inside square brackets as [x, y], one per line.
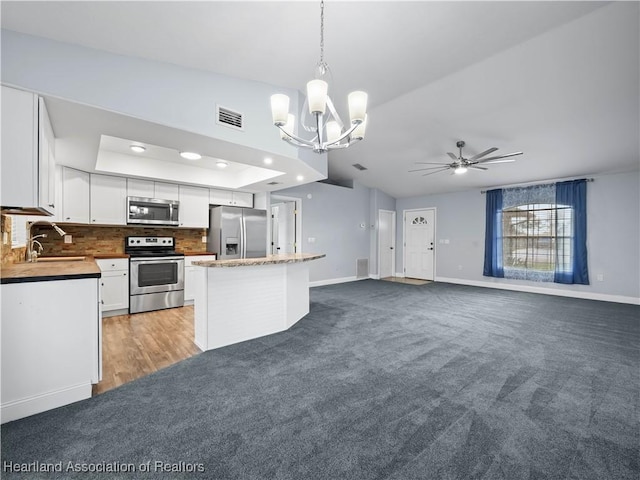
[386, 243]
[419, 235]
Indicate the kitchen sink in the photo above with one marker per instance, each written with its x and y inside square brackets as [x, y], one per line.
[61, 259]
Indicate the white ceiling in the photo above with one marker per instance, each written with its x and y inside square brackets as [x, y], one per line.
[557, 80]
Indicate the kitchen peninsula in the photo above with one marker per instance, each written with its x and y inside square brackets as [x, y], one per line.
[237, 300]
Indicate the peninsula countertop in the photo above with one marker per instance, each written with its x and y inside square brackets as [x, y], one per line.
[43, 270]
[268, 260]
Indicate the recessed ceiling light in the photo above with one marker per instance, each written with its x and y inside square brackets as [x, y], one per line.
[137, 148]
[268, 161]
[222, 164]
[299, 178]
[190, 155]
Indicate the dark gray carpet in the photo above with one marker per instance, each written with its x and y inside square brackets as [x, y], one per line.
[379, 381]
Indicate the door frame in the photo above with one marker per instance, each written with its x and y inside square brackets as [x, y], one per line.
[404, 241]
[393, 241]
[298, 215]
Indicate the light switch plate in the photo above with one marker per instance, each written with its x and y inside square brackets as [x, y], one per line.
[68, 239]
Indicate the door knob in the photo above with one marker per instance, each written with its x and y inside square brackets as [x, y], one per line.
[431, 248]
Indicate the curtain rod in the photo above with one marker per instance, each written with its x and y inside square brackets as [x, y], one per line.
[534, 183]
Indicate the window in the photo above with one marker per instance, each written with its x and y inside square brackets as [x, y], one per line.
[537, 233]
[536, 239]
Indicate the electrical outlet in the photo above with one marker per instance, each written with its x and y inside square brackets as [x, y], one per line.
[68, 239]
[204, 239]
[446, 241]
[5, 237]
[600, 277]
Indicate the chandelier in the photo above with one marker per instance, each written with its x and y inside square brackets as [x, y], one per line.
[329, 130]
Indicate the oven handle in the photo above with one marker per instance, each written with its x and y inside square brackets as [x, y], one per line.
[156, 259]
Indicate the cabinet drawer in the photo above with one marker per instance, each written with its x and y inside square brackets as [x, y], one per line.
[197, 258]
[113, 264]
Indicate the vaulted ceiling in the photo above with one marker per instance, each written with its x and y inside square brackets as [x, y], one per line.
[557, 80]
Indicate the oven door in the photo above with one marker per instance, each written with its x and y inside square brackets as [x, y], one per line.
[156, 274]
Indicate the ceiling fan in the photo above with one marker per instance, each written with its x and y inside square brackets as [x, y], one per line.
[461, 164]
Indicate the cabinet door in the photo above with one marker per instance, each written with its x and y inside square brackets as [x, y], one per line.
[114, 289]
[243, 199]
[139, 188]
[46, 161]
[166, 191]
[75, 196]
[194, 207]
[220, 197]
[108, 200]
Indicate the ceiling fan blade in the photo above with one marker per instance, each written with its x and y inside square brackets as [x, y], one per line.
[500, 156]
[477, 168]
[437, 171]
[427, 168]
[452, 155]
[486, 152]
[432, 163]
[499, 161]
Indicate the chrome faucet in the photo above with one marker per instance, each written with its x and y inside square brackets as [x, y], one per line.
[32, 254]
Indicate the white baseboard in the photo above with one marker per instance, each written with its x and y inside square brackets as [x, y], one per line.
[333, 281]
[546, 291]
[113, 313]
[41, 403]
[374, 276]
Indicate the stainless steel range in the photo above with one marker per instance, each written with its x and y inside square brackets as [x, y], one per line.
[156, 274]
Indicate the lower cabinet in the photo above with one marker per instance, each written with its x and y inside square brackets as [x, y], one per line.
[50, 346]
[114, 286]
[189, 275]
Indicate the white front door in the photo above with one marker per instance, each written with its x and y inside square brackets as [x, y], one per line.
[419, 235]
[386, 243]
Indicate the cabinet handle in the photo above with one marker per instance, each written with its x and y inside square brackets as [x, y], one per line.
[102, 302]
[68, 218]
[52, 205]
[124, 274]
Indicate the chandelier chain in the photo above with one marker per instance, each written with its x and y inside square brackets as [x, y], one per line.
[322, 66]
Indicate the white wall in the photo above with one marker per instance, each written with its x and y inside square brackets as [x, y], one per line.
[162, 93]
[333, 217]
[613, 230]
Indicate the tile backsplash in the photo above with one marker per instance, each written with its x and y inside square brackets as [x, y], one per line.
[93, 240]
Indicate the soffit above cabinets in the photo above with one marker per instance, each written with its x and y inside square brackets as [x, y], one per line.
[98, 141]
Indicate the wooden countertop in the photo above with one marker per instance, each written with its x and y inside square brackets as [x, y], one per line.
[105, 256]
[49, 271]
[268, 260]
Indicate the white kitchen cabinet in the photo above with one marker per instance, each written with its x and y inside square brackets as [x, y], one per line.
[28, 153]
[166, 191]
[190, 275]
[194, 207]
[51, 345]
[108, 200]
[114, 286]
[75, 196]
[140, 188]
[151, 189]
[229, 197]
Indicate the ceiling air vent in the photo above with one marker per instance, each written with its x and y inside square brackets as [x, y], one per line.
[229, 118]
[274, 183]
[357, 166]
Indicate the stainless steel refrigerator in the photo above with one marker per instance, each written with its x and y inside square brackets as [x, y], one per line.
[236, 232]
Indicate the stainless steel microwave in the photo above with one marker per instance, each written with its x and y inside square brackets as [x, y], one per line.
[152, 211]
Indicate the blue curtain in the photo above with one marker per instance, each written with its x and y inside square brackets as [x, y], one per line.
[493, 235]
[574, 194]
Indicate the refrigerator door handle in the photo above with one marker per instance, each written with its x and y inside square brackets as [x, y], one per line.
[243, 238]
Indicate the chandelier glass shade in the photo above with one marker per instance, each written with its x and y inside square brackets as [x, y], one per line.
[329, 130]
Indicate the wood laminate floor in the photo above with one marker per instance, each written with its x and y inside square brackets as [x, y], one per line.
[136, 345]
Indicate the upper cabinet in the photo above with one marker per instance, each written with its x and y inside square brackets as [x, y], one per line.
[75, 196]
[228, 197]
[108, 200]
[151, 189]
[28, 154]
[194, 207]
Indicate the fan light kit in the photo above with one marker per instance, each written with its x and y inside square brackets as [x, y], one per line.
[327, 126]
[460, 164]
